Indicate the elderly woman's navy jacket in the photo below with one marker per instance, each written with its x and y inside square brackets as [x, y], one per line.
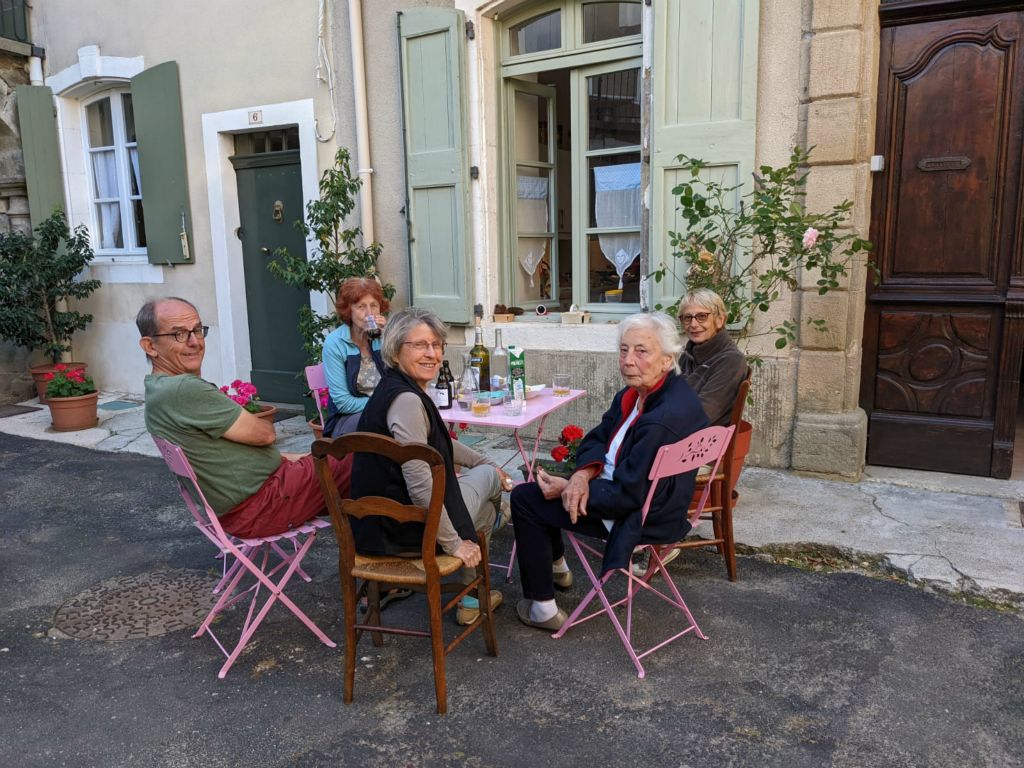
[670, 412]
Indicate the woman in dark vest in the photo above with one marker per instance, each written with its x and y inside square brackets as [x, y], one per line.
[412, 348]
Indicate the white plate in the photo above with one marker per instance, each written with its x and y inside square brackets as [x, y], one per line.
[532, 390]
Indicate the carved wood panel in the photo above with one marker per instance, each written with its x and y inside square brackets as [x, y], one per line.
[935, 363]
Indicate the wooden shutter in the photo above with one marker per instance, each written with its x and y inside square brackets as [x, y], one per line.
[156, 101]
[705, 98]
[37, 120]
[437, 159]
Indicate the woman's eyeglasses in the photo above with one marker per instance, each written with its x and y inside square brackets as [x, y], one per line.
[200, 331]
[700, 317]
[423, 346]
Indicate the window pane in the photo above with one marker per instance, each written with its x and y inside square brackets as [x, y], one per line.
[533, 271]
[104, 174]
[533, 191]
[541, 33]
[140, 224]
[614, 190]
[605, 21]
[605, 280]
[108, 220]
[613, 101]
[129, 117]
[133, 172]
[101, 126]
[532, 129]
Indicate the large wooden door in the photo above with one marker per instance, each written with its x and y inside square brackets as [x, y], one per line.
[943, 328]
[269, 203]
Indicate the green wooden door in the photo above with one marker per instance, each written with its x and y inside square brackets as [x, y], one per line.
[270, 202]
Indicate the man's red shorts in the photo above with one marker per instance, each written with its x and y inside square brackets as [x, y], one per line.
[287, 499]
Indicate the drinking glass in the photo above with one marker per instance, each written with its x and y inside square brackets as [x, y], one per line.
[513, 406]
[481, 403]
[560, 385]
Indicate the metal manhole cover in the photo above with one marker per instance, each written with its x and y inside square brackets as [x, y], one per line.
[136, 607]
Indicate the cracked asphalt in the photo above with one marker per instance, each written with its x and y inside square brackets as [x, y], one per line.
[801, 668]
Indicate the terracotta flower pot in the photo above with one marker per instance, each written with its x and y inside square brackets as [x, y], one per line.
[70, 414]
[39, 373]
[266, 412]
[318, 430]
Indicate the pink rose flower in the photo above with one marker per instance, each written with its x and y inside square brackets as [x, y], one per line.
[810, 237]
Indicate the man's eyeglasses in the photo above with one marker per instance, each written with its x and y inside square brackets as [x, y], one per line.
[700, 317]
[423, 346]
[200, 331]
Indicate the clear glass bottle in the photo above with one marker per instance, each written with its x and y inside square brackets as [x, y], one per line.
[499, 365]
[467, 383]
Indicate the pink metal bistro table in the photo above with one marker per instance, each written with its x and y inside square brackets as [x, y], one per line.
[535, 409]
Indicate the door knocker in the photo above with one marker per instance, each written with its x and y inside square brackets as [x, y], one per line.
[278, 213]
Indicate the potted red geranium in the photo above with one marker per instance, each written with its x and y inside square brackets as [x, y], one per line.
[72, 398]
[244, 393]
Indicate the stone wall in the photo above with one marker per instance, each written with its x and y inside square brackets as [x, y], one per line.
[838, 116]
[15, 383]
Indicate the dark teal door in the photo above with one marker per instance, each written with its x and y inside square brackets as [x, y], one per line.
[270, 202]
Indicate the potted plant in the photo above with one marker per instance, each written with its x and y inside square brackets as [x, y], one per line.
[72, 398]
[244, 393]
[752, 254]
[563, 456]
[38, 276]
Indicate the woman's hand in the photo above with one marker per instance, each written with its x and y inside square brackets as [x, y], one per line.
[576, 493]
[551, 487]
[469, 553]
[381, 321]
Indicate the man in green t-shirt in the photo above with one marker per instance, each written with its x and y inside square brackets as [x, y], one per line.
[252, 488]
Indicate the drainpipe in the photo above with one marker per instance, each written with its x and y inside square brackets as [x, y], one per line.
[365, 172]
[35, 70]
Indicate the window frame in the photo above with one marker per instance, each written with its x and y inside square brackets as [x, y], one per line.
[122, 160]
[592, 58]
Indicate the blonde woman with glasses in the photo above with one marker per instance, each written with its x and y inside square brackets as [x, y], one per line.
[711, 363]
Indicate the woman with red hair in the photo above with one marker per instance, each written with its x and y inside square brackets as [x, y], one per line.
[352, 362]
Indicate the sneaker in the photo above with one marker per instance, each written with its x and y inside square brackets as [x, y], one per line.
[640, 568]
[469, 608]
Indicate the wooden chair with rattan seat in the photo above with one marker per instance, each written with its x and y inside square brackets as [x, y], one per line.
[723, 496]
[377, 573]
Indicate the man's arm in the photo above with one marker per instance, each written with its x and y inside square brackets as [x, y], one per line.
[250, 430]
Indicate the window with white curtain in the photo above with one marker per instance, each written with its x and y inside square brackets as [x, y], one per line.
[113, 169]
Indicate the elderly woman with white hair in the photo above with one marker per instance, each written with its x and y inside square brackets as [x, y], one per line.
[605, 495]
[711, 362]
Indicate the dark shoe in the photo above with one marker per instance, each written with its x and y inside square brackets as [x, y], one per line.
[466, 614]
[553, 624]
[562, 579]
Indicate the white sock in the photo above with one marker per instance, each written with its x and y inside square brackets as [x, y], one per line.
[559, 566]
[542, 610]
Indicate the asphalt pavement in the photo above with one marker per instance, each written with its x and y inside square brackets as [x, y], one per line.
[801, 668]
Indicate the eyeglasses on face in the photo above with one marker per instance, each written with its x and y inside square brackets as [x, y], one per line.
[700, 317]
[423, 346]
[181, 336]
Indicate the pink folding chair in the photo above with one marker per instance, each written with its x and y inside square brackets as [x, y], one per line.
[705, 447]
[246, 553]
[316, 380]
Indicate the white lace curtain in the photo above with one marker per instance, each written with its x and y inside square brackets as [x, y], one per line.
[532, 216]
[104, 171]
[617, 204]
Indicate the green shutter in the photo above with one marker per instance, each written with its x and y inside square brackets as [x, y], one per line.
[705, 99]
[156, 101]
[37, 119]
[437, 159]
